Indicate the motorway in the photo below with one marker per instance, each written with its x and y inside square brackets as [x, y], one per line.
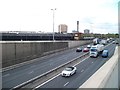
[84, 70]
[14, 77]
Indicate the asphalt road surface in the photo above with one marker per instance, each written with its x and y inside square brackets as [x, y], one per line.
[14, 77]
[84, 70]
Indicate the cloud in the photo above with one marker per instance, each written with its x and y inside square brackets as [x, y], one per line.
[106, 28]
[37, 15]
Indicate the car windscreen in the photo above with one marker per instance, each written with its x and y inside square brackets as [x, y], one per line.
[68, 69]
[85, 48]
[104, 52]
[88, 45]
[94, 50]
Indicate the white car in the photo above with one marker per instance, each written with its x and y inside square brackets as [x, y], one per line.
[69, 71]
[88, 46]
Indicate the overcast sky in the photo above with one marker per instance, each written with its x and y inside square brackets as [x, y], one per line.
[100, 16]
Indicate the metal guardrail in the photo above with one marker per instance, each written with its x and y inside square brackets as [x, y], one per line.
[45, 74]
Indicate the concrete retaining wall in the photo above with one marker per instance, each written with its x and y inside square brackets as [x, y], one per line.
[77, 43]
[21, 51]
[17, 52]
[0, 66]
[119, 65]
[106, 76]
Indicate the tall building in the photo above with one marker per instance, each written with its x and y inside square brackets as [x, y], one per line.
[86, 31]
[62, 28]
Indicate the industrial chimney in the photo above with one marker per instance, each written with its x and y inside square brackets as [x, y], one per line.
[77, 26]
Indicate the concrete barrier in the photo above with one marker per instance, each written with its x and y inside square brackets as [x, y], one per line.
[78, 43]
[106, 76]
[119, 64]
[17, 52]
[0, 66]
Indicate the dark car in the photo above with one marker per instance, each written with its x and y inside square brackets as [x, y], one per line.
[79, 50]
[113, 42]
[105, 53]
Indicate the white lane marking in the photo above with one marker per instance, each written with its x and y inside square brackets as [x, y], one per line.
[92, 62]
[47, 81]
[107, 45]
[66, 83]
[31, 72]
[81, 61]
[82, 70]
[6, 75]
[56, 76]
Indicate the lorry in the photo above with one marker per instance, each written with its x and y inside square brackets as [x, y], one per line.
[96, 41]
[104, 42]
[95, 50]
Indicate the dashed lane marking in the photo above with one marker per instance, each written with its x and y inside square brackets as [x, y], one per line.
[66, 84]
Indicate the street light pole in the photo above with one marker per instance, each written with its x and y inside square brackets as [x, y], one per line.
[53, 22]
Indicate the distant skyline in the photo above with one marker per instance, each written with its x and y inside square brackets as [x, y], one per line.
[99, 16]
